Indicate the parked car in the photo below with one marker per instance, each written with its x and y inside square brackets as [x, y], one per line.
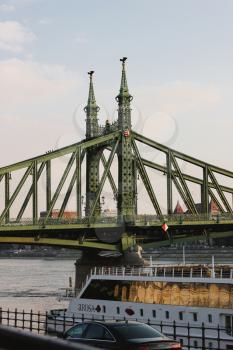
[123, 335]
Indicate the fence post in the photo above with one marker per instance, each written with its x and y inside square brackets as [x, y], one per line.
[8, 317]
[38, 328]
[23, 319]
[46, 322]
[0, 315]
[64, 322]
[203, 336]
[30, 324]
[218, 338]
[15, 321]
[188, 326]
[55, 322]
[174, 330]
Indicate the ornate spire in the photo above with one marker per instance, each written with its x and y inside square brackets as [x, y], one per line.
[91, 107]
[124, 98]
[91, 110]
[124, 91]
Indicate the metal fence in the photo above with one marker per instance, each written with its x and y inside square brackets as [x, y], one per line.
[190, 336]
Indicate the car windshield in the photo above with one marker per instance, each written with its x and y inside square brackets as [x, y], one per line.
[135, 331]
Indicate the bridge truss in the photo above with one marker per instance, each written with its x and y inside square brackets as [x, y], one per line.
[20, 184]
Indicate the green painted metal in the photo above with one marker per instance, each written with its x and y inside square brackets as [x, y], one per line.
[181, 155]
[181, 192]
[60, 185]
[76, 178]
[92, 179]
[127, 241]
[92, 127]
[29, 194]
[103, 179]
[110, 177]
[119, 138]
[187, 177]
[169, 183]
[34, 193]
[79, 159]
[61, 152]
[7, 196]
[16, 192]
[146, 180]
[189, 197]
[220, 192]
[67, 195]
[215, 199]
[179, 240]
[48, 184]
[205, 191]
[79, 244]
[126, 199]
[93, 154]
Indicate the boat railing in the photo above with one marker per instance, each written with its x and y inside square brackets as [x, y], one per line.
[67, 293]
[168, 271]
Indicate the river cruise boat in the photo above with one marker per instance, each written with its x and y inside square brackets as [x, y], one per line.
[191, 303]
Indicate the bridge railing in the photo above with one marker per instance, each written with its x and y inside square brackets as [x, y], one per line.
[143, 219]
[188, 271]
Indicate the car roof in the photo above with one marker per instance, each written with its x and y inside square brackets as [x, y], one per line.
[112, 322]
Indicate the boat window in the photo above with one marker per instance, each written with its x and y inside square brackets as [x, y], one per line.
[210, 319]
[195, 316]
[181, 315]
[77, 331]
[229, 324]
[154, 313]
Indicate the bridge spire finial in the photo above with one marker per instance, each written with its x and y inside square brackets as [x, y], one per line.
[124, 98]
[91, 110]
[124, 85]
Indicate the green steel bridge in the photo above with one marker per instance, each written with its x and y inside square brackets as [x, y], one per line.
[116, 149]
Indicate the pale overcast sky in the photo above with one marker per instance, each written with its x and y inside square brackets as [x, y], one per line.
[179, 68]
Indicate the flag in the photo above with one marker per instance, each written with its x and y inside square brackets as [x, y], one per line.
[165, 227]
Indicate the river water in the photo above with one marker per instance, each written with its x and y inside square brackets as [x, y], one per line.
[33, 283]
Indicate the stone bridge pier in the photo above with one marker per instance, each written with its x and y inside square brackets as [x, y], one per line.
[91, 258]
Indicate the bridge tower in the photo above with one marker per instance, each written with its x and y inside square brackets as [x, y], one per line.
[126, 202]
[93, 154]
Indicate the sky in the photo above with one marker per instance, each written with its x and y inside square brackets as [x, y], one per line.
[179, 70]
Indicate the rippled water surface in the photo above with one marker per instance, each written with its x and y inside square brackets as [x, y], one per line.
[33, 283]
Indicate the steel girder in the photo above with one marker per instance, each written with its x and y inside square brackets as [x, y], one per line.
[181, 185]
[44, 162]
[146, 179]
[36, 166]
[60, 152]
